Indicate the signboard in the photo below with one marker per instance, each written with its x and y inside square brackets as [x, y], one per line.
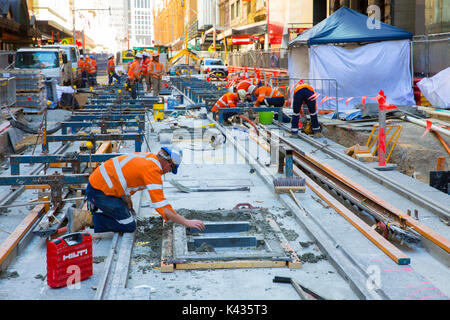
[297, 30]
[236, 41]
[276, 20]
[67, 41]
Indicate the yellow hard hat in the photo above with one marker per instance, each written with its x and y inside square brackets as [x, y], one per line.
[89, 145]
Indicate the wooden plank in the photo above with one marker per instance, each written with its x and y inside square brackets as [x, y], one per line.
[12, 241]
[237, 264]
[295, 263]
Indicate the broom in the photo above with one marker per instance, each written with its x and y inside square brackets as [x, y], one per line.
[283, 185]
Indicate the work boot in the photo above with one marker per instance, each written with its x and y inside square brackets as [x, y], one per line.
[317, 135]
[78, 219]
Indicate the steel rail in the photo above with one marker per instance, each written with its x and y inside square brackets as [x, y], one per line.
[410, 194]
[376, 202]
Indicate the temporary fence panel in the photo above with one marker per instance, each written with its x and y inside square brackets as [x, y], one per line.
[7, 91]
[431, 54]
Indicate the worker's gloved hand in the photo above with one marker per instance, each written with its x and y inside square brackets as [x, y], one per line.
[196, 224]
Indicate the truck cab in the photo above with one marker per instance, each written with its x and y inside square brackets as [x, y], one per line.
[49, 60]
[73, 56]
[216, 67]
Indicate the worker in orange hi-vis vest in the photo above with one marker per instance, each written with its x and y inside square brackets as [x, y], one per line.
[156, 70]
[83, 68]
[111, 68]
[134, 74]
[145, 69]
[112, 184]
[303, 94]
[267, 96]
[228, 100]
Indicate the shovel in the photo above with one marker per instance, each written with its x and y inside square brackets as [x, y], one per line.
[183, 188]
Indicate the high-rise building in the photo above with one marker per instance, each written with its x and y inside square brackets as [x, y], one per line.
[139, 22]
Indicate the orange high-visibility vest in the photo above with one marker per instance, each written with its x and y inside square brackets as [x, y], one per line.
[134, 72]
[82, 66]
[125, 175]
[245, 84]
[111, 66]
[156, 69]
[145, 67]
[302, 86]
[91, 65]
[266, 93]
[228, 100]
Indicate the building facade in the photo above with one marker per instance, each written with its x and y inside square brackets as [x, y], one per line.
[420, 17]
[139, 20]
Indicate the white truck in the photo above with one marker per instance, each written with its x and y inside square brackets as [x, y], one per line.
[49, 60]
[216, 67]
[73, 57]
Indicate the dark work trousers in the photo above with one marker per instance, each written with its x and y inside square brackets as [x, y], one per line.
[113, 75]
[84, 79]
[276, 102]
[114, 215]
[91, 80]
[302, 97]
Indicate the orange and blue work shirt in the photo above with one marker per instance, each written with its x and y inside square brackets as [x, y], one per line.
[134, 72]
[125, 175]
[111, 66]
[228, 100]
[145, 66]
[156, 69]
[245, 84]
[91, 65]
[263, 93]
[82, 65]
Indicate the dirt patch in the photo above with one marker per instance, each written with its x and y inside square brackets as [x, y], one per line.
[306, 244]
[311, 258]
[290, 235]
[98, 259]
[205, 248]
[8, 275]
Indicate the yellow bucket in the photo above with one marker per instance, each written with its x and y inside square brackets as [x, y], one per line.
[158, 115]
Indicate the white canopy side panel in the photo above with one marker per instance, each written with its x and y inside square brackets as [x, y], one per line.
[298, 65]
[364, 71]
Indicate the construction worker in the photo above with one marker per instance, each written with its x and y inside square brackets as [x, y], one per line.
[145, 69]
[267, 96]
[245, 84]
[228, 100]
[83, 69]
[91, 70]
[302, 95]
[111, 68]
[134, 74]
[112, 184]
[94, 63]
[156, 70]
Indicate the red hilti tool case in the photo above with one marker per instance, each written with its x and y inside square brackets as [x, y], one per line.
[69, 256]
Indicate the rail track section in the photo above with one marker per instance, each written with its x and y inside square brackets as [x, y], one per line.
[375, 266]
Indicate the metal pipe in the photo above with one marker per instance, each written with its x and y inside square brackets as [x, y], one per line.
[424, 124]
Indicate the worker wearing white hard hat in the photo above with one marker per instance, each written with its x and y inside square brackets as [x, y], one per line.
[134, 75]
[156, 70]
[112, 184]
[145, 70]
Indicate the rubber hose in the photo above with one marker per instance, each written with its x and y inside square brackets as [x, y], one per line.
[29, 130]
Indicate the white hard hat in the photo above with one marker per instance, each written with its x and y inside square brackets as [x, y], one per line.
[242, 94]
[138, 55]
[251, 89]
[146, 54]
[110, 56]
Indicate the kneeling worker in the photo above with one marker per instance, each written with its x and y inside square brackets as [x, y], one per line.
[228, 100]
[268, 96]
[112, 184]
[302, 95]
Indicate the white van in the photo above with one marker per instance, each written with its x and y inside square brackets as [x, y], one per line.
[50, 61]
[216, 67]
[73, 55]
